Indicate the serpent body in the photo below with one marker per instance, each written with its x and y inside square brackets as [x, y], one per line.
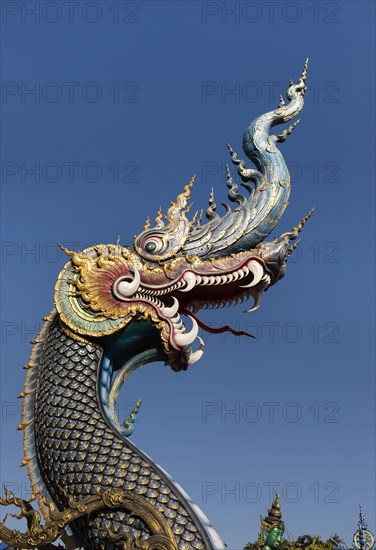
[120, 306]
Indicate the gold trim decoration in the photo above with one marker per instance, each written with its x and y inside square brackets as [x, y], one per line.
[42, 536]
[83, 292]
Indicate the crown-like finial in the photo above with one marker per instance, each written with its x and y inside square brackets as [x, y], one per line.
[271, 521]
[274, 516]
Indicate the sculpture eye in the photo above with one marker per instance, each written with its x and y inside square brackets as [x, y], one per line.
[153, 245]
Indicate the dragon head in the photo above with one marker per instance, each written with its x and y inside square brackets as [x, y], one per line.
[181, 265]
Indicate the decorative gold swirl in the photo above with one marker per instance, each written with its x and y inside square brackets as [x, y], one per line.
[83, 293]
[42, 536]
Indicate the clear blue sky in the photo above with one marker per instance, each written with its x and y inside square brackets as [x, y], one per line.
[130, 100]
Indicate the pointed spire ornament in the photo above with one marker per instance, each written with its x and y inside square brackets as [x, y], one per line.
[211, 210]
[158, 220]
[363, 538]
[147, 223]
[274, 516]
[271, 527]
[176, 208]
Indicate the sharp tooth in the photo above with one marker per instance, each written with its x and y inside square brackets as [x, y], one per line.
[258, 299]
[223, 279]
[198, 279]
[190, 279]
[211, 280]
[124, 288]
[235, 276]
[230, 278]
[245, 270]
[205, 280]
[196, 355]
[187, 337]
[218, 280]
[169, 312]
[257, 271]
[179, 326]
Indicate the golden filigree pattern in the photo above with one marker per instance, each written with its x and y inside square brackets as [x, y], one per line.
[42, 536]
[84, 298]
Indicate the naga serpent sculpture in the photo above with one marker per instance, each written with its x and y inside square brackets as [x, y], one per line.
[118, 308]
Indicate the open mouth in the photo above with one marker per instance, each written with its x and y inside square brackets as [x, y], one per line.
[193, 291]
[176, 305]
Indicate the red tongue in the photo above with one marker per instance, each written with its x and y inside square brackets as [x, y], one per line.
[224, 328]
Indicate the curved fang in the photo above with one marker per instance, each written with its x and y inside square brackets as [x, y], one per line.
[257, 271]
[257, 302]
[196, 355]
[190, 279]
[169, 312]
[186, 338]
[123, 288]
